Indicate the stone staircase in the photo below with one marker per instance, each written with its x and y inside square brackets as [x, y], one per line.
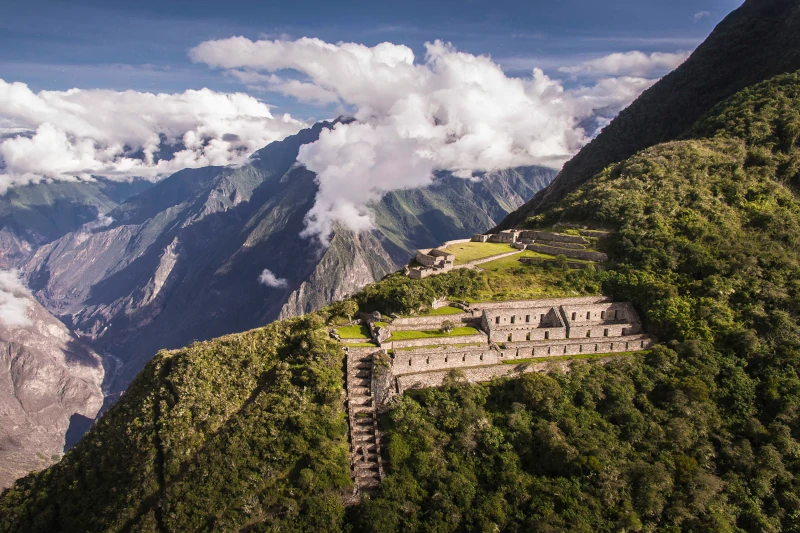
[366, 463]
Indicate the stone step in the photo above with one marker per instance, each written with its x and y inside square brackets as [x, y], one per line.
[369, 484]
[366, 465]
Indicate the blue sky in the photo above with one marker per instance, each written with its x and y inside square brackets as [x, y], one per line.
[143, 45]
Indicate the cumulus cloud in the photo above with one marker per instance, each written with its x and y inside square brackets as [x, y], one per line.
[270, 280]
[700, 15]
[77, 134]
[633, 63]
[14, 300]
[450, 111]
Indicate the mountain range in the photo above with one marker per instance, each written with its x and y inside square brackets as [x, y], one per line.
[696, 190]
[131, 268]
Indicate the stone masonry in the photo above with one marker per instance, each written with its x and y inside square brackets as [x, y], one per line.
[526, 330]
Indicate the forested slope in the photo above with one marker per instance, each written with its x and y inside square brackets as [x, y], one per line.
[700, 434]
[759, 40]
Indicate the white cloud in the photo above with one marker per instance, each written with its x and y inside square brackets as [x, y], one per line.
[14, 300]
[77, 134]
[633, 63]
[270, 280]
[700, 15]
[451, 111]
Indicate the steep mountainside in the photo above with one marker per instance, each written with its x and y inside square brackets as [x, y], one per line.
[37, 214]
[702, 433]
[757, 41]
[181, 261]
[49, 389]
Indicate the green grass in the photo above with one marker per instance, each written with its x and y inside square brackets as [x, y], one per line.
[578, 356]
[362, 345]
[447, 310]
[354, 332]
[509, 279]
[470, 251]
[431, 334]
[381, 324]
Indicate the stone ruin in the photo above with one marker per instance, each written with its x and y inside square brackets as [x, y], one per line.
[547, 242]
[431, 261]
[523, 333]
[508, 331]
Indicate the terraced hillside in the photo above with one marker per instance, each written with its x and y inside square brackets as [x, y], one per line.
[699, 434]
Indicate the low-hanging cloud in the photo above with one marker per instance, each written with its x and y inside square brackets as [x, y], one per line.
[77, 134]
[271, 280]
[15, 300]
[632, 63]
[451, 111]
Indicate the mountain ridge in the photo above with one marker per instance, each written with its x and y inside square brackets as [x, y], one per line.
[759, 40]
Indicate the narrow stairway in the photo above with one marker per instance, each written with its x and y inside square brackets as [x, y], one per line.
[365, 461]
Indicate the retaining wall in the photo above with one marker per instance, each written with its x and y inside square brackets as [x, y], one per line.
[585, 255]
[429, 322]
[547, 236]
[525, 350]
[458, 339]
[568, 245]
[409, 362]
[488, 373]
[543, 302]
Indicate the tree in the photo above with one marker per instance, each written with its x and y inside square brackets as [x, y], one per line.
[447, 326]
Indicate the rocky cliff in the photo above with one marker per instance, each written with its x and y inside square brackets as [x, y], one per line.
[50, 384]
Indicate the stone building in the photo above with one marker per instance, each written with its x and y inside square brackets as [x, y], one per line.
[432, 261]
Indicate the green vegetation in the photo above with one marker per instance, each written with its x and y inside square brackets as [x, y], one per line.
[470, 251]
[362, 344]
[702, 433]
[432, 334]
[360, 331]
[446, 310]
[222, 435]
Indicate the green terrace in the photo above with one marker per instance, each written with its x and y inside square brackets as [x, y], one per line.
[447, 310]
[431, 334]
[470, 251]
[354, 332]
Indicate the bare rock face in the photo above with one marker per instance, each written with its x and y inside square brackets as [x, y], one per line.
[48, 379]
[348, 264]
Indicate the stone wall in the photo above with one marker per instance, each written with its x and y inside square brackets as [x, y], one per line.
[567, 245]
[424, 259]
[556, 237]
[415, 361]
[592, 313]
[584, 255]
[488, 373]
[543, 302]
[507, 238]
[479, 238]
[430, 322]
[456, 339]
[525, 350]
